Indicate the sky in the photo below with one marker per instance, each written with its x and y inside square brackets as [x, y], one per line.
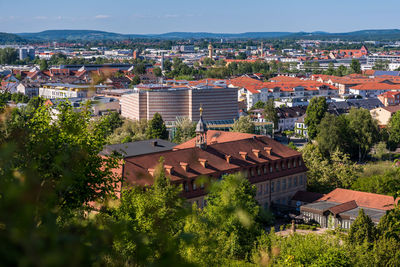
[218, 16]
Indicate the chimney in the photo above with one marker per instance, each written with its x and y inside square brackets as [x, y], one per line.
[154, 143]
[243, 154]
[268, 150]
[184, 165]
[256, 152]
[203, 162]
[228, 158]
[169, 169]
[151, 171]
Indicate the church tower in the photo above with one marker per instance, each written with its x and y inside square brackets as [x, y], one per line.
[201, 132]
[210, 50]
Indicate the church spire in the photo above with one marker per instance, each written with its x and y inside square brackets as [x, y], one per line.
[201, 132]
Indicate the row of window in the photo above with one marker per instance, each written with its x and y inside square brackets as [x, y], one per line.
[280, 185]
[270, 168]
[195, 185]
[259, 170]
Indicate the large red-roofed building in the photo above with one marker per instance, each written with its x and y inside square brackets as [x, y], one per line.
[277, 171]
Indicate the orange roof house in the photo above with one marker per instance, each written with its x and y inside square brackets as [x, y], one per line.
[340, 208]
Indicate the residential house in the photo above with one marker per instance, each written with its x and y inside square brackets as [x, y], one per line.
[301, 127]
[390, 98]
[340, 208]
[383, 114]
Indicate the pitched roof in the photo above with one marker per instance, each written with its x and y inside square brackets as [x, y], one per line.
[363, 199]
[352, 204]
[283, 78]
[392, 109]
[214, 137]
[139, 147]
[376, 86]
[138, 168]
[250, 84]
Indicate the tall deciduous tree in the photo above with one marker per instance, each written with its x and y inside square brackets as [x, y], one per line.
[228, 224]
[355, 66]
[315, 112]
[156, 213]
[157, 128]
[332, 134]
[394, 130]
[185, 130]
[244, 125]
[363, 131]
[270, 112]
[43, 65]
[64, 152]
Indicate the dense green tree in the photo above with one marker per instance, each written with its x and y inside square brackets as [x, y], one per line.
[325, 174]
[8, 55]
[355, 66]
[185, 130]
[362, 229]
[332, 134]
[271, 113]
[130, 131]
[158, 209]
[65, 140]
[341, 71]
[244, 125]
[109, 123]
[259, 105]
[394, 130]
[387, 183]
[315, 112]
[363, 132]
[139, 69]
[228, 224]
[43, 65]
[157, 72]
[304, 250]
[157, 128]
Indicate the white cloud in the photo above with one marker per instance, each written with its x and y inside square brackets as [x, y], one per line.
[102, 16]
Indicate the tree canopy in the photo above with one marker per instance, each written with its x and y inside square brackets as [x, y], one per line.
[315, 112]
[244, 125]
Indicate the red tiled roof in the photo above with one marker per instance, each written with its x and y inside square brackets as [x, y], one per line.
[389, 94]
[285, 79]
[352, 204]
[392, 109]
[363, 199]
[376, 86]
[250, 84]
[137, 168]
[214, 137]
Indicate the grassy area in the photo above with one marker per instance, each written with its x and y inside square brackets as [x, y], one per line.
[376, 168]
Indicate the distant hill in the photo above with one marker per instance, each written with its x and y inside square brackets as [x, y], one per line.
[89, 35]
[9, 38]
[69, 35]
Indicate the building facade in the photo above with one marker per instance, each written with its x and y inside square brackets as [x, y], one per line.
[276, 171]
[219, 103]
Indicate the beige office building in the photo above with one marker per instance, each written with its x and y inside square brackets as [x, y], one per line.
[219, 103]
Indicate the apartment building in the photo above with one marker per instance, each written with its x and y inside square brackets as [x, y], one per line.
[218, 102]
